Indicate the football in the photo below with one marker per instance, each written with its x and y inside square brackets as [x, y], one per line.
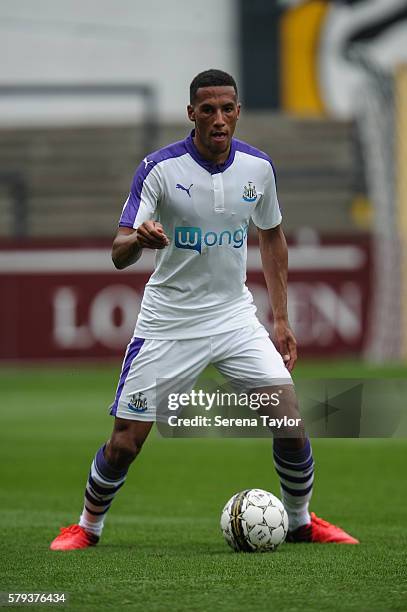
[254, 520]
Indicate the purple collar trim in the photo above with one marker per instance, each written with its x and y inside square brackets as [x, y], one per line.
[206, 164]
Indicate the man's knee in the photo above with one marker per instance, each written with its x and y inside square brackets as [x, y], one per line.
[121, 451]
[289, 443]
[126, 443]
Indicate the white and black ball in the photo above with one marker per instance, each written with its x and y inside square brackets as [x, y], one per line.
[254, 520]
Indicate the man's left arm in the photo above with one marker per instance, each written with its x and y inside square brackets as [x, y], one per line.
[274, 257]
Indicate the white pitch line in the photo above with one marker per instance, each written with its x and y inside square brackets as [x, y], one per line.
[85, 261]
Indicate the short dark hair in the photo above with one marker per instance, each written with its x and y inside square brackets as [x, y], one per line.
[210, 78]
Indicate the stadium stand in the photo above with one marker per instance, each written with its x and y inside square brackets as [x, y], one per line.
[77, 178]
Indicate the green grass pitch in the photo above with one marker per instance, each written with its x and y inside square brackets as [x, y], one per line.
[162, 548]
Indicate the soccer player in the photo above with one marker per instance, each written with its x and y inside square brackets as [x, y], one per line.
[191, 202]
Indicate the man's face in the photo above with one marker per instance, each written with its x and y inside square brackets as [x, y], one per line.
[215, 113]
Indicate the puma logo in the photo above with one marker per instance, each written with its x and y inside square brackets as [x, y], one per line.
[179, 186]
[147, 161]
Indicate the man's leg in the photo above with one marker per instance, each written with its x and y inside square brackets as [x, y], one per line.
[292, 454]
[248, 356]
[150, 368]
[109, 470]
[295, 467]
[106, 477]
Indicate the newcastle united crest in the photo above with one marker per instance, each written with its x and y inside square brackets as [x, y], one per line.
[249, 192]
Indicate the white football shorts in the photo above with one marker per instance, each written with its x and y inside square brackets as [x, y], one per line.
[152, 369]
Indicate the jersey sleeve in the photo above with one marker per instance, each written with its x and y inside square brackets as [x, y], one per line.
[145, 192]
[267, 213]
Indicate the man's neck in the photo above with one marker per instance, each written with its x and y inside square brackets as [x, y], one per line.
[208, 155]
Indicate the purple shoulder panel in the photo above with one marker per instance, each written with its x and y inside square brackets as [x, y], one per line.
[176, 149]
[133, 202]
[244, 147]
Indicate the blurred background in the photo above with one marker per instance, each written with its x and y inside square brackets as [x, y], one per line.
[88, 88]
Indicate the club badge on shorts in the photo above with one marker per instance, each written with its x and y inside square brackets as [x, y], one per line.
[138, 402]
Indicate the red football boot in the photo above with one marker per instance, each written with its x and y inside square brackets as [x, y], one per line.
[320, 531]
[72, 538]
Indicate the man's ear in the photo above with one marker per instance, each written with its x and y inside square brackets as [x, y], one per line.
[239, 106]
[191, 112]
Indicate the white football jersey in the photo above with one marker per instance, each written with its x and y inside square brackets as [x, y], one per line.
[198, 285]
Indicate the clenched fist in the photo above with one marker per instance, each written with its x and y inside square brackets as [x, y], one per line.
[151, 235]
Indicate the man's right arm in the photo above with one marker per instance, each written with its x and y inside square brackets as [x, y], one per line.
[129, 243]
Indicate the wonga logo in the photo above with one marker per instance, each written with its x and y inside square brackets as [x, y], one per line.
[192, 238]
[188, 238]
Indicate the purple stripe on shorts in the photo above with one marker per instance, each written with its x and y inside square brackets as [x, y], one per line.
[133, 351]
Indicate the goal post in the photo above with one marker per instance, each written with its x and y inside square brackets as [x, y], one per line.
[382, 123]
[401, 191]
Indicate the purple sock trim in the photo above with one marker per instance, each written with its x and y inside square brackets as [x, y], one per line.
[292, 456]
[105, 468]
